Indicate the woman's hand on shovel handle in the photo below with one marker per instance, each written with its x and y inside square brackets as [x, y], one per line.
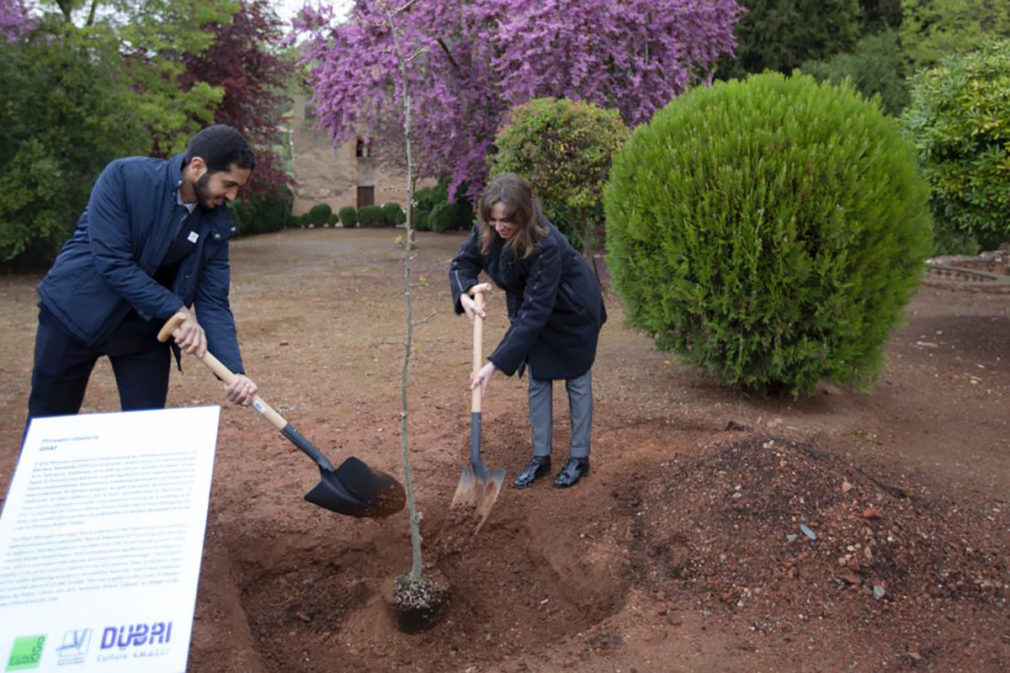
[482, 377]
[190, 337]
[241, 391]
[470, 307]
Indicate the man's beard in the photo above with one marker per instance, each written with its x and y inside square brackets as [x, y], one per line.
[200, 187]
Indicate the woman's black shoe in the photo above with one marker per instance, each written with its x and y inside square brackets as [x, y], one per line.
[537, 467]
[570, 474]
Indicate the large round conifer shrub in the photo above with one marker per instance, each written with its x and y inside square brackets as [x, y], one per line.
[770, 230]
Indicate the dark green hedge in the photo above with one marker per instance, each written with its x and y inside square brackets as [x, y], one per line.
[265, 212]
[348, 217]
[371, 216]
[393, 214]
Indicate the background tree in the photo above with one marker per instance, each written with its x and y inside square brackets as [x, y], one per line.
[148, 41]
[107, 78]
[475, 60]
[876, 66]
[564, 149]
[933, 29]
[959, 121]
[63, 118]
[244, 61]
[14, 20]
[880, 15]
[781, 34]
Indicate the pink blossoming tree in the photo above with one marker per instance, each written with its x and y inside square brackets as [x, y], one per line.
[472, 60]
[14, 20]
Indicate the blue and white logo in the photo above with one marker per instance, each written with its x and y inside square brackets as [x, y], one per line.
[74, 646]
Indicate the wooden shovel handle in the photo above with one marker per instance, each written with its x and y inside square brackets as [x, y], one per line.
[477, 292]
[169, 330]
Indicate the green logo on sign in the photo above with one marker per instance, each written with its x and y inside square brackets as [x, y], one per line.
[26, 653]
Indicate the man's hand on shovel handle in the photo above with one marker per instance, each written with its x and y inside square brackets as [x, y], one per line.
[190, 337]
[482, 377]
[241, 390]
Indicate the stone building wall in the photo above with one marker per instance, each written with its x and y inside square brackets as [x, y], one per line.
[337, 177]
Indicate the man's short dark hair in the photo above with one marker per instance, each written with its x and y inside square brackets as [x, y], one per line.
[220, 146]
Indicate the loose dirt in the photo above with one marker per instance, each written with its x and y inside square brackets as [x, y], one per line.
[718, 530]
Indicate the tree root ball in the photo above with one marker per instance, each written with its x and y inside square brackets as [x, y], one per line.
[419, 605]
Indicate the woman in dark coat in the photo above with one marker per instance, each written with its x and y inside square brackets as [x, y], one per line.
[555, 312]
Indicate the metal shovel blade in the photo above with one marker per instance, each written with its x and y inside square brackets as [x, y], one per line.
[353, 488]
[478, 486]
[478, 493]
[357, 490]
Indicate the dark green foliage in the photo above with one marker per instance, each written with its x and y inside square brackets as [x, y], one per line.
[782, 34]
[463, 215]
[450, 216]
[875, 66]
[371, 216]
[959, 121]
[393, 214]
[447, 216]
[879, 15]
[564, 149]
[333, 219]
[934, 29]
[770, 230]
[441, 219]
[263, 212]
[348, 217]
[421, 223]
[61, 121]
[317, 216]
[425, 200]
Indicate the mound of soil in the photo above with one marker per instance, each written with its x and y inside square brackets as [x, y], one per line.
[790, 538]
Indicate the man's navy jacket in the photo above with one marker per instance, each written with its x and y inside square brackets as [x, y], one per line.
[108, 265]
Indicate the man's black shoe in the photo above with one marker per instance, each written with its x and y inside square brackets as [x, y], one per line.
[538, 467]
[570, 474]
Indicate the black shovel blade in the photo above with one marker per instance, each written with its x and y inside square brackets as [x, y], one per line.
[354, 489]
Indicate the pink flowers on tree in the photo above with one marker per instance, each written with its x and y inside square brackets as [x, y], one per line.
[14, 20]
[472, 61]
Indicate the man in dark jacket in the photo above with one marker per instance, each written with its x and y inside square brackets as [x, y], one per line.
[152, 242]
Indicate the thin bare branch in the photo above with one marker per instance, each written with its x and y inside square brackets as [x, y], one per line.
[448, 53]
[403, 8]
[417, 53]
[425, 318]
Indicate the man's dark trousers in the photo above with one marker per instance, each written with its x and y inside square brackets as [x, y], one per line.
[63, 366]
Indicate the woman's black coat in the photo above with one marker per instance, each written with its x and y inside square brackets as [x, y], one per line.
[554, 303]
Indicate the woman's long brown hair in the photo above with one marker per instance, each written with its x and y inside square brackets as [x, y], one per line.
[521, 208]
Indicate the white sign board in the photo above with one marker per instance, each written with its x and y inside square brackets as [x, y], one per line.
[101, 539]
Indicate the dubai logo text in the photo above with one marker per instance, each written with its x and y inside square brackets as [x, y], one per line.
[136, 635]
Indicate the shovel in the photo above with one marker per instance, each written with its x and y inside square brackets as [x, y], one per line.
[478, 486]
[353, 488]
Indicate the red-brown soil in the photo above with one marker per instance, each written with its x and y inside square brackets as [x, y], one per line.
[681, 551]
